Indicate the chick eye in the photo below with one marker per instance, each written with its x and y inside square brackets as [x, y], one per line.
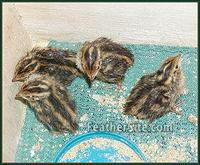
[176, 66]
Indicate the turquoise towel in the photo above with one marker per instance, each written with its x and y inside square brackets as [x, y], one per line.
[102, 105]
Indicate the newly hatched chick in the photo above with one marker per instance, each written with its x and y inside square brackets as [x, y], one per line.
[58, 63]
[155, 94]
[105, 60]
[51, 103]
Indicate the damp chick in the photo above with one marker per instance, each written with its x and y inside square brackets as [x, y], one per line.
[155, 94]
[51, 103]
[54, 62]
[105, 60]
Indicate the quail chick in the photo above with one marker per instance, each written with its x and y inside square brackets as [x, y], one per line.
[155, 94]
[51, 103]
[58, 63]
[105, 60]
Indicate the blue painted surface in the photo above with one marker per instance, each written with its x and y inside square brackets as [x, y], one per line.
[147, 59]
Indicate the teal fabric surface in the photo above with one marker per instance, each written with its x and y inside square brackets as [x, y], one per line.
[101, 104]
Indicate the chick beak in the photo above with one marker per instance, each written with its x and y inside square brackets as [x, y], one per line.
[91, 77]
[14, 79]
[18, 95]
[178, 58]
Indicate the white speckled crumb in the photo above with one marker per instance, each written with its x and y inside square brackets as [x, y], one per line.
[192, 119]
[35, 149]
[172, 154]
[110, 101]
[84, 118]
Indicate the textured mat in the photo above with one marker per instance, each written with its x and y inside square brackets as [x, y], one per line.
[172, 138]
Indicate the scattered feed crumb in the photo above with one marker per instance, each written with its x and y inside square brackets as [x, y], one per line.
[84, 117]
[192, 119]
[35, 149]
[40, 140]
[109, 100]
[155, 153]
